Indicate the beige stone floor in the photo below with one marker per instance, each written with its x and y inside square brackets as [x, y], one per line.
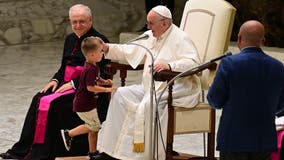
[24, 69]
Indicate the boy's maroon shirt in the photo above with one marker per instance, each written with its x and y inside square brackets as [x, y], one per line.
[85, 100]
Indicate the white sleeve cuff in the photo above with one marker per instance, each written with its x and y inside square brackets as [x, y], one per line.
[55, 80]
[72, 84]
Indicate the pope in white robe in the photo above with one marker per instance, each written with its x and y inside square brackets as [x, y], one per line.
[126, 132]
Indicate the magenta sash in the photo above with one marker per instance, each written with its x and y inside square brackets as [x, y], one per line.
[43, 109]
[276, 155]
[71, 72]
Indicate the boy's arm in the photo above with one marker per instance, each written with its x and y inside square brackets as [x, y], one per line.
[104, 82]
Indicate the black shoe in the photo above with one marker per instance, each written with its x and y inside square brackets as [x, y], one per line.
[103, 156]
[66, 139]
[93, 154]
[5, 156]
[8, 155]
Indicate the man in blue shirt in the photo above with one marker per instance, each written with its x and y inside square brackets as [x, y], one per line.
[249, 88]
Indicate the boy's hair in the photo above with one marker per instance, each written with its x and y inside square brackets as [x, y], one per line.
[90, 44]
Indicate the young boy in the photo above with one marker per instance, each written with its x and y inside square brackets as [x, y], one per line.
[86, 96]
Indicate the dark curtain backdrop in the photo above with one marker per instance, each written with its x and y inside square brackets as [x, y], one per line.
[269, 12]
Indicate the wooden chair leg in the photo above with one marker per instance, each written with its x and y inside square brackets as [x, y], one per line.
[170, 136]
[211, 138]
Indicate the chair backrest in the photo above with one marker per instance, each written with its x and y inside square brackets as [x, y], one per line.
[209, 24]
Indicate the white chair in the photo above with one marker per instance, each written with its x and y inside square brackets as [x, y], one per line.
[209, 24]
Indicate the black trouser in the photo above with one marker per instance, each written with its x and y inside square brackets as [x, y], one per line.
[61, 116]
[22, 147]
[245, 155]
[102, 106]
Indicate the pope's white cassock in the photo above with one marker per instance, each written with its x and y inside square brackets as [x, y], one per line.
[127, 125]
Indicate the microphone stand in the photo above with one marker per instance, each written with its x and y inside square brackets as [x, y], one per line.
[152, 90]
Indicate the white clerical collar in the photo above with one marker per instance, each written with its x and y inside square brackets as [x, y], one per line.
[165, 34]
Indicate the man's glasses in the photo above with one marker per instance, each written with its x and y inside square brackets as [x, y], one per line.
[79, 22]
[152, 23]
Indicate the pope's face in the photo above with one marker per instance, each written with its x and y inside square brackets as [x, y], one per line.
[81, 22]
[155, 23]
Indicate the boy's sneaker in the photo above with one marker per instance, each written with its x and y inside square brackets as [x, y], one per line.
[66, 138]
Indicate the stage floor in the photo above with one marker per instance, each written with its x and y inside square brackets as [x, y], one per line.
[24, 69]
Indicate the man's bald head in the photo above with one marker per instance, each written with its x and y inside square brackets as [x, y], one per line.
[251, 33]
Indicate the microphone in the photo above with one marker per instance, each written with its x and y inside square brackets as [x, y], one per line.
[143, 36]
[227, 53]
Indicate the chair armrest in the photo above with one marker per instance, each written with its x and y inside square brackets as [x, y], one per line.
[167, 75]
[113, 67]
[121, 66]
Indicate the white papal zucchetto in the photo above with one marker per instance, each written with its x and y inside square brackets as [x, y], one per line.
[163, 11]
